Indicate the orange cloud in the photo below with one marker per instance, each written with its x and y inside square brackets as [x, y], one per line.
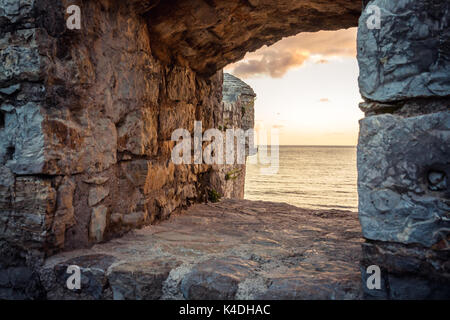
[292, 52]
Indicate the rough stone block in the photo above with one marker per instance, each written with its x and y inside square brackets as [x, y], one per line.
[26, 220]
[141, 280]
[403, 185]
[93, 269]
[407, 272]
[216, 278]
[408, 56]
[20, 62]
[22, 140]
[137, 134]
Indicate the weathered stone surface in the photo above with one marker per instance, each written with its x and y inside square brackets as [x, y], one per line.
[408, 56]
[11, 89]
[408, 272]
[234, 249]
[13, 11]
[96, 180]
[97, 106]
[206, 37]
[403, 167]
[22, 141]
[238, 114]
[7, 180]
[216, 279]
[19, 283]
[301, 284]
[94, 282]
[65, 213]
[406, 108]
[137, 134]
[97, 194]
[28, 217]
[19, 57]
[239, 101]
[403, 149]
[140, 280]
[98, 222]
[134, 219]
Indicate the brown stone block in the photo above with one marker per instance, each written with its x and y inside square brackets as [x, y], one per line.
[176, 116]
[137, 133]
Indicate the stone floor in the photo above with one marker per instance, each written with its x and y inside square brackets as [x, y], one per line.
[234, 249]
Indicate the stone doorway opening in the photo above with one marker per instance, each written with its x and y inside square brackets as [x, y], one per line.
[307, 95]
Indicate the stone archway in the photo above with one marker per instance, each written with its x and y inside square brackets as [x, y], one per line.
[87, 117]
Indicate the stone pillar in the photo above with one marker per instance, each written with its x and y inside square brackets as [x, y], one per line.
[238, 114]
[404, 147]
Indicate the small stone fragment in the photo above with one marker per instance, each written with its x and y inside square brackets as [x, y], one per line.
[97, 194]
[10, 90]
[98, 223]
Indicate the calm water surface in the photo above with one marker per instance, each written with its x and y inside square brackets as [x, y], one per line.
[308, 177]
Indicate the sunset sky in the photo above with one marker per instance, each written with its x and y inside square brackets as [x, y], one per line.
[306, 87]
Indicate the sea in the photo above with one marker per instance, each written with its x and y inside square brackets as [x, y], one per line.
[313, 177]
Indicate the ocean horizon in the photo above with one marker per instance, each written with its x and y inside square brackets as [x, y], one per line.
[312, 177]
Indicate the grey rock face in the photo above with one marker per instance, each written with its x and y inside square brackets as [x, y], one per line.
[22, 140]
[19, 57]
[238, 100]
[234, 88]
[11, 89]
[406, 108]
[407, 272]
[21, 134]
[404, 147]
[93, 277]
[28, 214]
[141, 280]
[238, 113]
[216, 279]
[13, 11]
[403, 167]
[409, 55]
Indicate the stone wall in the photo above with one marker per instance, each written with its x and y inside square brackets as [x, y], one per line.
[404, 148]
[85, 130]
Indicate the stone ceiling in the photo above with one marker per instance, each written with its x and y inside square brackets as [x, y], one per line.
[206, 35]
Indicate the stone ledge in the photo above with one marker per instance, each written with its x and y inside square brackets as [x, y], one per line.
[235, 249]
